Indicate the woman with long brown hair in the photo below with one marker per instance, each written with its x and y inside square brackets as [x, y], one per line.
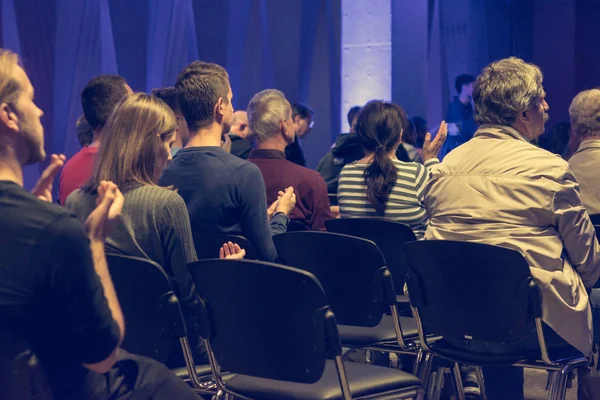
[379, 185]
[154, 223]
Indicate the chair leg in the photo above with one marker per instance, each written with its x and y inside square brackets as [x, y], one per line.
[424, 370]
[457, 382]
[436, 383]
[560, 379]
[481, 382]
[418, 362]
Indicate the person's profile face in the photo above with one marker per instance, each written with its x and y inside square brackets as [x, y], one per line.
[182, 128]
[228, 114]
[31, 131]
[164, 154]
[303, 126]
[468, 89]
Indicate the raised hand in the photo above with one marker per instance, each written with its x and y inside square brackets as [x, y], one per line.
[287, 201]
[432, 148]
[43, 187]
[108, 208]
[231, 251]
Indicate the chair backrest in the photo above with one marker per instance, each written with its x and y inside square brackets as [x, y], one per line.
[389, 236]
[264, 319]
[152, 311]
[595, 219]
[22, 377]
[471, 291]
[351, 270]
[207, 246]
[297, 226]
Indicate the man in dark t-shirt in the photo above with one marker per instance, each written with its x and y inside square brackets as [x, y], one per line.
[56, 294]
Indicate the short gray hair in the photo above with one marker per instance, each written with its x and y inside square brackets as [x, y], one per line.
[506, 88]
[585, 113]
[266, 110]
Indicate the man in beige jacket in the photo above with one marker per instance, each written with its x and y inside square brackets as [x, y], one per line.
[585, 127]
[500, 189]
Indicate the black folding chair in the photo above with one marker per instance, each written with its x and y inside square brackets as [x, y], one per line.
[208, 246]
[297, 226]
[466, 291]
[389, 236]
[273, 328]
[153, 316]
[359, 286]
[22, 377]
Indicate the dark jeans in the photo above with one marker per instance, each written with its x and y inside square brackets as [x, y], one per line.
[506, 383]
[134, 378]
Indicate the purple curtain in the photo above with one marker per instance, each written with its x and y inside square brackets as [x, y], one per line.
[290, 45]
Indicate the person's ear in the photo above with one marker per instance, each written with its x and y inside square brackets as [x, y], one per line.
[8, 117]
[221, 106]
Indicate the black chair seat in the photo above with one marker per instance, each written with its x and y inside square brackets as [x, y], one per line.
[384, 332]
[364, 380]
[446, 350]
[201, 371]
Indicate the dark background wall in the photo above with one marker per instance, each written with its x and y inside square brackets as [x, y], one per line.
[561, 36]
[291, 45]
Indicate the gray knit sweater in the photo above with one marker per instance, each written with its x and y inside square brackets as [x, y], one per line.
[155, 225]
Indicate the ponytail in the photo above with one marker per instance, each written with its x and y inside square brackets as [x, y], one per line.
[380, 177]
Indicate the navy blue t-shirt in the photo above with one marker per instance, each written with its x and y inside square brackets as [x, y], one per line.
[224, 194]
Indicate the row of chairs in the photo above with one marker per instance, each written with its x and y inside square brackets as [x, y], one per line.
[458, 290]
[267, 325]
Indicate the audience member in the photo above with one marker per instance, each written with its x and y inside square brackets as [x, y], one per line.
[421, 130]
[223, 193]
[502, 190]
[85, 134]
[98, 99]
[557, 139]
[407, 151]
[461, 124]
[240, 135]
[55, 291]
[169, 96]
[270, 116]
[379, 185]
[346, 149]
[585, 123]
[303, 123]
[154, 222]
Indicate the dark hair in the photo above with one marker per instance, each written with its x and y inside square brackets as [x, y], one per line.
[85, 135]
[169, 96]
[421, 129]
[100, 96]
[379, 127]
[302, 110]
[352, 113]
[461, 80]
[199, 86]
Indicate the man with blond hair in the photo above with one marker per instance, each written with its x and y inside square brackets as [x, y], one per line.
[240, 135]
[57, 299]
[500, 189]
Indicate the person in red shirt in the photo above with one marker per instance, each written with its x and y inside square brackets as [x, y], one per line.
[98, 99]
[270, 118]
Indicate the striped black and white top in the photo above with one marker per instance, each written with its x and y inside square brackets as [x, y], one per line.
[405, 203]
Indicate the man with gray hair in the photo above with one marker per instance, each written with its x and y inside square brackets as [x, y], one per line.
[502, 190]
[585, 130]
[270, 118]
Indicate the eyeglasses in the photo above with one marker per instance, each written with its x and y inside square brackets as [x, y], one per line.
[312, 123]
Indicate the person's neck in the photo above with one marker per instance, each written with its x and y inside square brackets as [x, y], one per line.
[10, 167]
[205, 137]
[464, 98]
[272, 144]
[96, 138]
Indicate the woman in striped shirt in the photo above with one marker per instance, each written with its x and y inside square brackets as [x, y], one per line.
[379, 185]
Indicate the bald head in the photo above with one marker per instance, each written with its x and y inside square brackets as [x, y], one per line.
[239, 124]
[585, 114]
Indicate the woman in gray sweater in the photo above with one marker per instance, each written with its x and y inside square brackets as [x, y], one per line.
[154, 223]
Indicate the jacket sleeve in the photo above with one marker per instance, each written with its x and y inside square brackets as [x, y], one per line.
[575, 227]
